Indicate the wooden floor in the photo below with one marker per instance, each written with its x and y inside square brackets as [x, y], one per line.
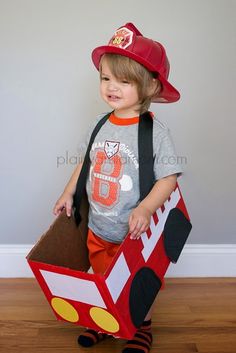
[191, 315]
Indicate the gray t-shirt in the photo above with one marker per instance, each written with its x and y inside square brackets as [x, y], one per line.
[113, 180]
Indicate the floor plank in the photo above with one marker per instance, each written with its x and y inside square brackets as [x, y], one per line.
[191, 315]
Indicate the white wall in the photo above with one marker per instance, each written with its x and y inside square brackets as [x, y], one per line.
[49, 95]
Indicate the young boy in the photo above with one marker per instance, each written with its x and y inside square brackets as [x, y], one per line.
[133, 73]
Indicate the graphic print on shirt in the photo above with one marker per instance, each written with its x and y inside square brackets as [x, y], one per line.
[111, 148]
[107, 172]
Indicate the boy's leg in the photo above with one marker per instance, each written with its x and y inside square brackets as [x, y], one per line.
[90, 337]
[142, 340]
[101, 254]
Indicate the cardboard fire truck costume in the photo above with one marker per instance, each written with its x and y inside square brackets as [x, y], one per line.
[117, 301]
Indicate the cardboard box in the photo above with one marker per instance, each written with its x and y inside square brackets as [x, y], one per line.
[118, 301]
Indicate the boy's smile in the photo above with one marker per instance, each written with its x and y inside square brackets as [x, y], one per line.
[121, 95]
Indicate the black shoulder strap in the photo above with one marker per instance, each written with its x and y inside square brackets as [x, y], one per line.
[145, 152]
[81, 182]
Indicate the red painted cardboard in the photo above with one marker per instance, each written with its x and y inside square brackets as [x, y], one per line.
[116, 302]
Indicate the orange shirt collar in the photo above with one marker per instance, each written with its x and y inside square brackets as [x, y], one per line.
[123, 121]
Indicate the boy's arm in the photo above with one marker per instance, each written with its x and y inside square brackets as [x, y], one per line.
[159, 193]
[140, 217]
[66, 199]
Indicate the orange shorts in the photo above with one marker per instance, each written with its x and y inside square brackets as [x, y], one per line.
[101, 252]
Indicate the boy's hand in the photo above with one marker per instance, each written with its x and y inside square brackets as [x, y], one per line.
[65, 201]
[139, 221]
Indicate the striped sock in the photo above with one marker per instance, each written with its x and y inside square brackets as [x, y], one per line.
[91, 337]
[142, 340]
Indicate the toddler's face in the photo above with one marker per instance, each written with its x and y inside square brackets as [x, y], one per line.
[121, 95]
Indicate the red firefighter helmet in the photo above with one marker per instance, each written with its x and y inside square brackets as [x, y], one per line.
[128, 41]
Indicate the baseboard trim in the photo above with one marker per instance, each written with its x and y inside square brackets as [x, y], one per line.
[196, 260]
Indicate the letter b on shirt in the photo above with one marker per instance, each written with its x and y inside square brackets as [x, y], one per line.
[106, 174]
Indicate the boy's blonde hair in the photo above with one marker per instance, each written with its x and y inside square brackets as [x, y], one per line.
[124, 68]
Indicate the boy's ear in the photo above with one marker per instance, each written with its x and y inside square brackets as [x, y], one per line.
[155, 87]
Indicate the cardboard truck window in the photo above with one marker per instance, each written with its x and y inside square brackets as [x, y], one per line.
[116, 302]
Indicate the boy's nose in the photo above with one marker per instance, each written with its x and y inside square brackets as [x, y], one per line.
[112, 86]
